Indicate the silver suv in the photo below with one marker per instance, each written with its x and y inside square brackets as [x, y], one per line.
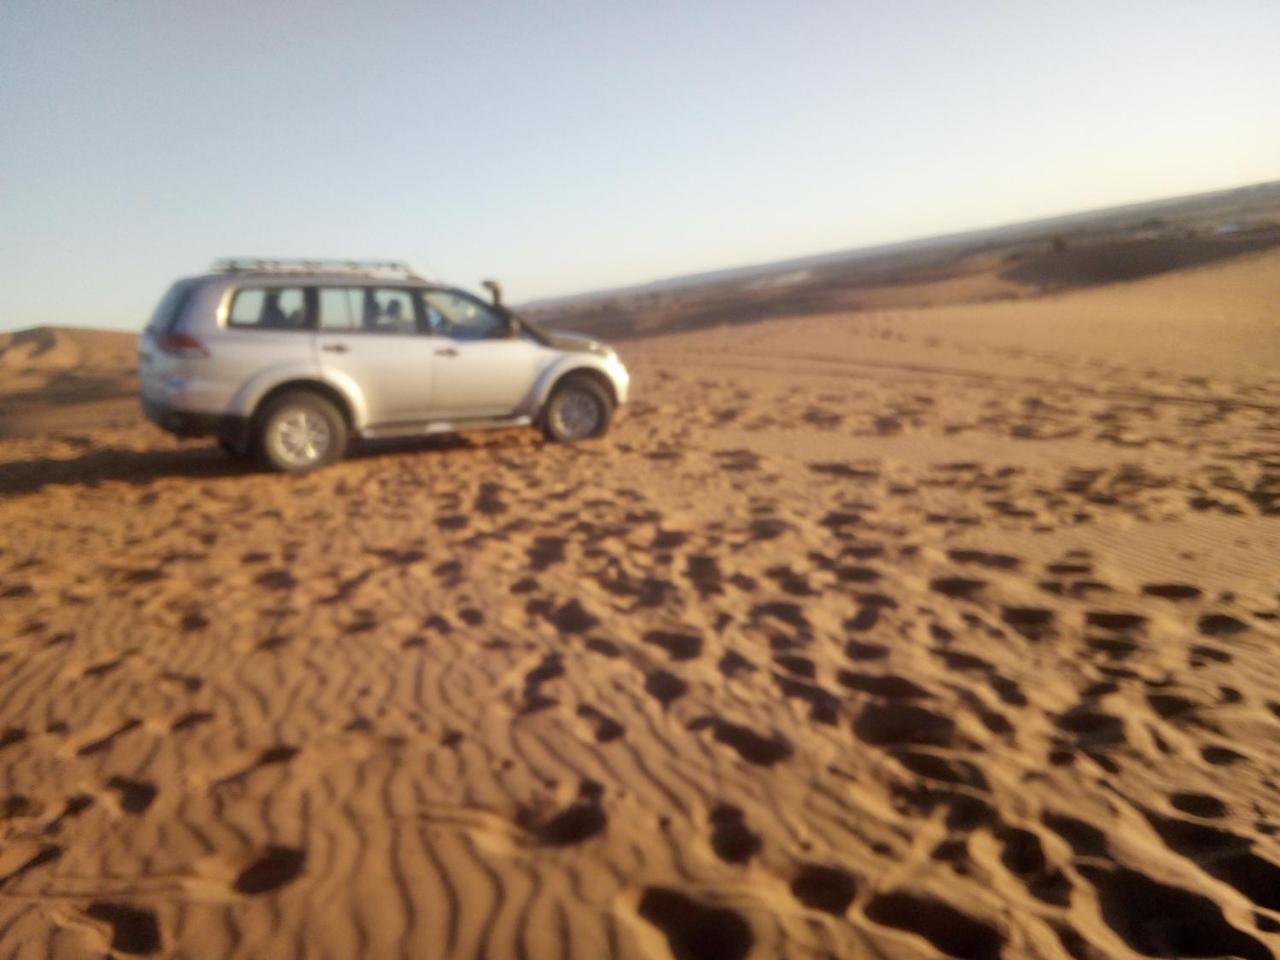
[289, 359]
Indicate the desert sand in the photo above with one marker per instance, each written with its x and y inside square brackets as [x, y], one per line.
[883, 632]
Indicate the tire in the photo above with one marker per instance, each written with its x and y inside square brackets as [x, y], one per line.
[579, 409]
[299, 431]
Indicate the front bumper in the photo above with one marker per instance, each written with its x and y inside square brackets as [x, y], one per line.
[621, 381]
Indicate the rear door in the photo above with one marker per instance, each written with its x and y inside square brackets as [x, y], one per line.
[479, 370]
[267, 328]
[376, 336]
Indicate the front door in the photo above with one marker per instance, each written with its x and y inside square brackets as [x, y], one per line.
[479, 370]
[377, 337]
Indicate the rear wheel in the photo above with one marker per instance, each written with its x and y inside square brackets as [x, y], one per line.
[579, 409]
[300, 431]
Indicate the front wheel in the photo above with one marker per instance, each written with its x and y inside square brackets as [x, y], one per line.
[300, 431]
[579, 409]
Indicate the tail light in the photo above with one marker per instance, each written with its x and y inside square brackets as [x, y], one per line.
[182, 345]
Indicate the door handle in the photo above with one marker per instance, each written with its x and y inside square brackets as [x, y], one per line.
[335, 347]
[446, 352]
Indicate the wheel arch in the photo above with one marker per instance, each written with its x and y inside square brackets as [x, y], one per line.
[572, 373]
[319, 387]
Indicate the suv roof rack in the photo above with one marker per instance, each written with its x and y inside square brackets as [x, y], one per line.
[372, 268]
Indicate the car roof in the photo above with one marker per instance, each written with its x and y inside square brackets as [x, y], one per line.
[283, 272]
[227, 280]
[281, 278]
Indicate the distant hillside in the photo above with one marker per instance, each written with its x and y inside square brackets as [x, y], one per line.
[1247, 205]
[1011, 262]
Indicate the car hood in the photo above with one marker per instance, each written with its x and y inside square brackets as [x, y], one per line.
[577, 342]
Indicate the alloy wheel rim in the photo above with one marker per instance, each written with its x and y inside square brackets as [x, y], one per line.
[302, 437]
[577, 414]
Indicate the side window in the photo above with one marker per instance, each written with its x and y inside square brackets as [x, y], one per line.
[456, 315]
[339, 308]
[272, 308]
[367, 309]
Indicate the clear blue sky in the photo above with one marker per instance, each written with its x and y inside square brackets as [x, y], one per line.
[565, 146]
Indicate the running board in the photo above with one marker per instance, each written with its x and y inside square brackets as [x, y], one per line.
[442, 426]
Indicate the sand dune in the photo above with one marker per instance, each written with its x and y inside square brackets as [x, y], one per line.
[892, 634]
[63, 378]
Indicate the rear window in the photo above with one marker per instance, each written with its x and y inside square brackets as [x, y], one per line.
[171, 307]
[269, 308]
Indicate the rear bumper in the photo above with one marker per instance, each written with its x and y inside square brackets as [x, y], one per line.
[183, 423]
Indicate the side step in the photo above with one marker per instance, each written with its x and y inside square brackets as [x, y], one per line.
[430, 427]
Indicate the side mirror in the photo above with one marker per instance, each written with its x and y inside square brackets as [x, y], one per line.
[495, 291]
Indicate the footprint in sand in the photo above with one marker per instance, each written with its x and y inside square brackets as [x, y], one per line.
[1116, 622]
[679, 646]
[1172, 591]
[952, 770]
[997, 561]
[887, 685]
[784, 612]
[824, 888]
[694, 930]
[276, 580]
[858, 651]
[731, 840]
[750, 746]
[276, 867]
[1220, 625]
[100, 670]
[1223, 855]
[797, 666]
[733, 664]
[1220, 756]
[1091, 727]
[1198, 805]
[946, 928]
[133, 930]
[958, 588]
[1032, 622]
[899, 724]
[551, 667]
[135, 795]
[665, 687]
[606, 728]
[1156, 919]
[573, 617]
[824, 707]
[704, 573]
[580, 821]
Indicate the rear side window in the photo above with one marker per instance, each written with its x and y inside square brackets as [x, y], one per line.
[171, 307]
[269, 308]
[367, 310]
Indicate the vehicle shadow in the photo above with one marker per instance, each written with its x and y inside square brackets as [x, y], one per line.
[142, 467]
[112, 464]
